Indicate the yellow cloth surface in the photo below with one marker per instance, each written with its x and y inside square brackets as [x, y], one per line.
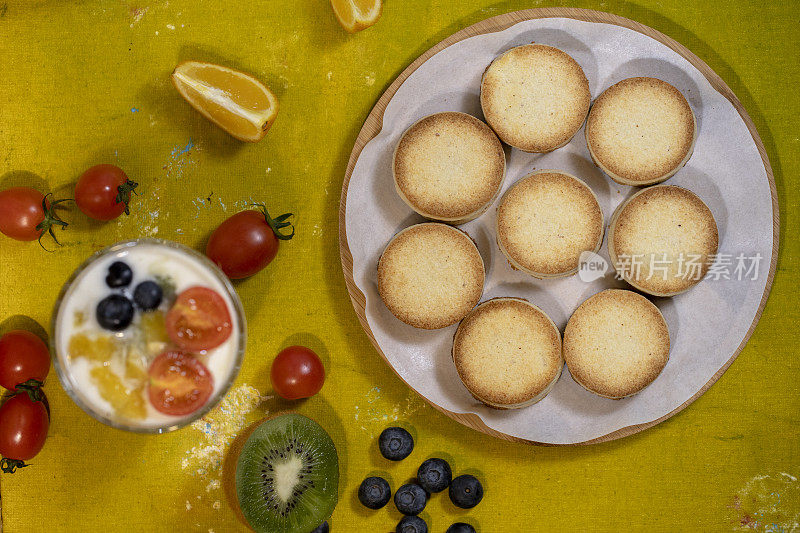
[83, 83]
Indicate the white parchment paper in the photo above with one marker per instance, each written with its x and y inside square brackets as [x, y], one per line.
[706, 324]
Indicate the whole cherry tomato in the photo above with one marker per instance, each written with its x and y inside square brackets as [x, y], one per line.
[26, 214]
[103, 192]
[23, 357]
[297, 372]
[23, 430]
[247, 242]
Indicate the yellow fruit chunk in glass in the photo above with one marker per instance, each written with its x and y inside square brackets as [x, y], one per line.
[127, 402]
[356, 15]
[136, 366]
[99, 348]
[236, 102]
[154, 332]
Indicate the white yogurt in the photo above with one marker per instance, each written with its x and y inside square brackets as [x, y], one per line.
[148, 260]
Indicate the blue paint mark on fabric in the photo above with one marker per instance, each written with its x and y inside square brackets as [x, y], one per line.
[187, 148]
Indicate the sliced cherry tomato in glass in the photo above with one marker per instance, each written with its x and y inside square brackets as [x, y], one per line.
[179, 383]
[199, 320]
[23, 430]
[23, 357]
[297, 372]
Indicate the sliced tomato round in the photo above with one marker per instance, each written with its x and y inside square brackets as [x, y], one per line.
[179, 383]
[199, 320]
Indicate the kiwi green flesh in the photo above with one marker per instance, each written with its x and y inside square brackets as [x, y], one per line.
[287, 476]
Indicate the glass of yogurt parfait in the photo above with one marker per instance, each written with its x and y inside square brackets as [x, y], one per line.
[148, 335]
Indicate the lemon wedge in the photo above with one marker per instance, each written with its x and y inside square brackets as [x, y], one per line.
[236, 102]
[356, 15]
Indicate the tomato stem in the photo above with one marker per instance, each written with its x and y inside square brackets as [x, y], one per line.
[32, 387]
[277, 223]
[124, 193]
[50, 219]
[9, 466]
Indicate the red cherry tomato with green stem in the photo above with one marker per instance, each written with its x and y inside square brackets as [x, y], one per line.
[297, 372]
[24, 358]
[26, 214]
[248, 241]
[103, 192]
[23, 429]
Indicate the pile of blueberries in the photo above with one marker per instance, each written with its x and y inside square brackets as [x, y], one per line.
[433, 476]
[115, 311]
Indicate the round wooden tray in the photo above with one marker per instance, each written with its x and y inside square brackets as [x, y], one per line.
[374, 123]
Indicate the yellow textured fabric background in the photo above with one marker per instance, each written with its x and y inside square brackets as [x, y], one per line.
[87, 82]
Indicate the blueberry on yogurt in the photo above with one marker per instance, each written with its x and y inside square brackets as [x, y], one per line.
[147, 295]
[114, 312]
[119, 275]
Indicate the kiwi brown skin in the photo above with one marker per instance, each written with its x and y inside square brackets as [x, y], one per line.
[230, 463]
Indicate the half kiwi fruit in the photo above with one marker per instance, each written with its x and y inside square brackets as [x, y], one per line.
[287, 475]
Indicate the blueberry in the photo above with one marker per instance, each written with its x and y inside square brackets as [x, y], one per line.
[434, 475]
[460, 527]
[147, 295]
[410, 499]
[412, 524]
[374, 492]
[322, 528]
[395, 443]
[466, 491]
[115, 312]
[119, 275]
